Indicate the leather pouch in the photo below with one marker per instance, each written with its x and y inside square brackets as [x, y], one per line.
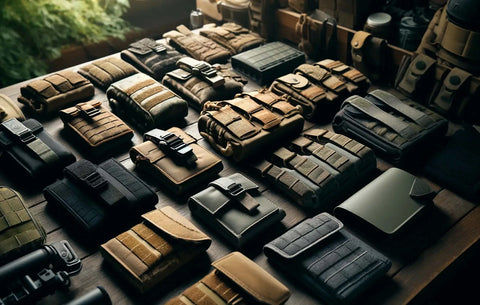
[396, 130]
[145, 102]
[9, 109]
[93, 197]
[48, 95]
[233, 206]
[173, 172]
[265, 63]
[318, 168]
[154, 249]
[32, 151]
[197, 91]
[235, 280]
[249, 124]
[19, 230]
[356, 81]
[99, 130]
[232, 36]
[102, 73]
[197, 46]
[389, 203]
[151, 57]
[333, 263]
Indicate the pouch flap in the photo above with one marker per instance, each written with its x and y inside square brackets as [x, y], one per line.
[180, 74]
[294, 80]
[254, 280]
[32, 124]
[315, 72]
[359, 39]
[236, 187]
[422, 191]
[169, 221]
[88, 109]
[147, 45]
[304, 236]
[455, 79]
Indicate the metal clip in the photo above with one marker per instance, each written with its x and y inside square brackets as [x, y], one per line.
[88, 110]
[201, 69]
[15, 128]
[171, 144]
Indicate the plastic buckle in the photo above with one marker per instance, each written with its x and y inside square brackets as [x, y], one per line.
[172, 145]
[235, 189]
[15, 128]
[95, 180]
[159, 49]
[88, 110]
[201, 69]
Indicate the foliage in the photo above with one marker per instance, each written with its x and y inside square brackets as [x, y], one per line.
[34, 31]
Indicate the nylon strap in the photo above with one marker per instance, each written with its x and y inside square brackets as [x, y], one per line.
[367, 107]
[417, 116]
[237, 193]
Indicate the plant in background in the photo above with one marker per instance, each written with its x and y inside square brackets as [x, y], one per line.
[35, 31]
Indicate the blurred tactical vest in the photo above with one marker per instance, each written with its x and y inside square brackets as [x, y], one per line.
[444, 72]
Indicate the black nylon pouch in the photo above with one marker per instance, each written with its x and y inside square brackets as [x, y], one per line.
[93, 197]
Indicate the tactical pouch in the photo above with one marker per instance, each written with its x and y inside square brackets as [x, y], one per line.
[236, 280]
[167, 158]
[56, 91]
[151, 57]
[197, 46]
[355, 81]
[235, 208]
[368, 55]
[249, 124]
[389, 203]
[154, 249]
[196, 90]
[318, 168]
[104, 72]
[418, 78]
[316, 90]
[261, 14]
[398, 131]
[333, 263]
[232, 36]
[265, 63]
[31, 150]
[145, 102]
[99, 130]
[9, 110]
[19, 231]
[94, 196]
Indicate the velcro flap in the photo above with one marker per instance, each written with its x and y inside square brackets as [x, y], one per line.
[308, 234]
[73, 77]
[455, 79]
[251, 278]
[316, 134]
[60, 83]
[247, 105]
[300, 144]
[71, 112]
[169, 221]
[234, 28]
[44, 88]
[282, 156]
[143, 46]
[315, 72]
[294, 80]
[266, 97]
[180, 74]
[421, 64]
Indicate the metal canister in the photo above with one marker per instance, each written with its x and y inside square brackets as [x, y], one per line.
[196, 19]
[410, 33]
[379, 24]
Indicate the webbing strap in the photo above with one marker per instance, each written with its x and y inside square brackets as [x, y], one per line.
[139, 248]
[236, 192]
[262, 115]
[367, 107]
[235, 123]
[25, 136]
[417, 116]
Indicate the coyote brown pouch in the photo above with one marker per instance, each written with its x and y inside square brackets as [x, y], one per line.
[48, 95]
[155, 248]
[145, 102]
[171, 169]
[356, 81]
[318, 168]
[9, 109]
[19, 230]
[249, 124]
[197, 90]
[104, 72]
[332, 262]
[235, 280]
[99, 130]
[233, 37]
[151, 57]
[197, 46]
[396, 130]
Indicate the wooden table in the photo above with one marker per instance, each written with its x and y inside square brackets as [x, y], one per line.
[423, 258]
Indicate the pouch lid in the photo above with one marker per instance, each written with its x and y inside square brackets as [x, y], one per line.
[258, 283]
[236, 187]
[180, 74]
[168, 220]
[294, 80]
[313, 232]
[389, 202]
